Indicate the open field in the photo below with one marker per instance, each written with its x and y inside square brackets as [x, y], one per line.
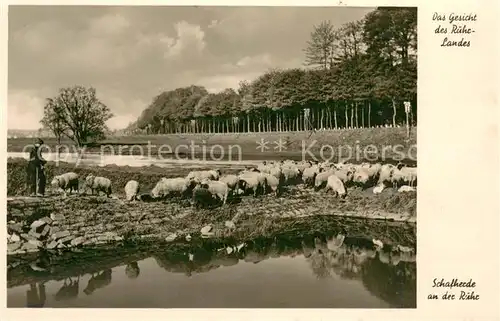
[388, 143]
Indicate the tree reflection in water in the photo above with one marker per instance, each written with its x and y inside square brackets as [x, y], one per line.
[132, 270]
[357, 259]
[389, 275]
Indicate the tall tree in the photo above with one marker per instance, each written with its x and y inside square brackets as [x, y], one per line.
[80, 112]
[321, 46]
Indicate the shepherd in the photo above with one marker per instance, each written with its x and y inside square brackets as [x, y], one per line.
[35, 172]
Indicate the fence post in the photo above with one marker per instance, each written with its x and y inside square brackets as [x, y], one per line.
[407, 111]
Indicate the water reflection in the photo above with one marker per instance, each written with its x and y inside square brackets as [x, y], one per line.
[35, 296]
[132, 270]
[69, 289]
[387, 273]
[98, 281]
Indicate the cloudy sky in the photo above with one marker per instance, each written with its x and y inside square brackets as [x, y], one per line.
[131, 54]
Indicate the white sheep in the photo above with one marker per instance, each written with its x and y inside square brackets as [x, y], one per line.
[98, 184]
[309, 175]
[405, 175]
[253, 180]
[66, 181]
[273, 183]
[385, 174]
[335, 184]
[290, 173]
[276, 172]
[406, 188]
[131, 190]
[233, 182]
[199, 176]
[344, 174]
[322, 178]
[168, 186]
[373, 171]
[361, 177]
[216, 188]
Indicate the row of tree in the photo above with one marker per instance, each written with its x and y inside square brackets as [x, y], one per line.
[356, 76]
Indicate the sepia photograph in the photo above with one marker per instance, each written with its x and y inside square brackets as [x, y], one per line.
[212, 157]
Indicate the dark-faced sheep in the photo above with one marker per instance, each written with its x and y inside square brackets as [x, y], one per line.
[217, 188]
[273, 183]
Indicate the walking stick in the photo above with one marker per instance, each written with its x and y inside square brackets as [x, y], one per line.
[36, 181]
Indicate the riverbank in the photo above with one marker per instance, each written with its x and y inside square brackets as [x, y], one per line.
[55, 223]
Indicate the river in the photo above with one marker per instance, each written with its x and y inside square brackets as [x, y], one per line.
[311, 277]
[96, 159]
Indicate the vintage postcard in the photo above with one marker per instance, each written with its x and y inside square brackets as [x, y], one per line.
[188, 159]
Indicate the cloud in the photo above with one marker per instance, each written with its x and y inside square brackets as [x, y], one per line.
[109, 24]
[25, 109]
[131, 54]
[259, 60]
[190, 40]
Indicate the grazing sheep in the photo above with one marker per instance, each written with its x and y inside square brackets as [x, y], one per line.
[97, 282]
[385, 174]
[345, 175]
[276, 172]
[273, 183]
[199, 176]
[301, 166]
[233, 182]
[309, 175]
[131, 190]
[322, 178]
[335, 184]
[98, 184]
[373, 171]
[361, 177]
[406, 188]
[291, 174]
[202, 197]
[264, 167]
[217, 188]
[405, 175]
[177, 186]
[66, 181]
[254, 181]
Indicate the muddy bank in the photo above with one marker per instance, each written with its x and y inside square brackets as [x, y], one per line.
[53, 224]
[353, 258]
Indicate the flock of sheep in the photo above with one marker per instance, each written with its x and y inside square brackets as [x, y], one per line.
[268, 177]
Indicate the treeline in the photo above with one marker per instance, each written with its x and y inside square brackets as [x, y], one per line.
[358, 75]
